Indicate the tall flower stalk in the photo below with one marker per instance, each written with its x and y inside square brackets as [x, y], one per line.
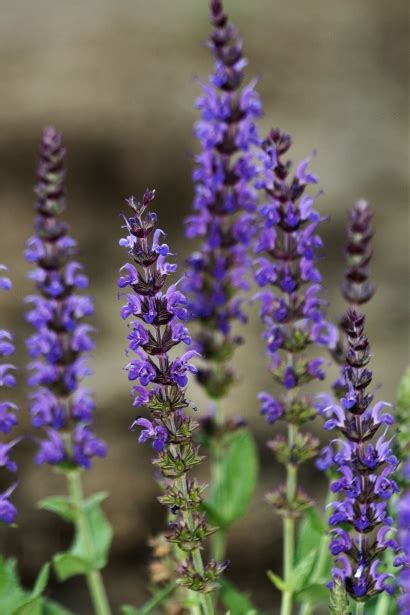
[357, 289]
[291, 310]
[223, 206]
[59, 405]
[157, 326]
[360, 521]
[8, 411]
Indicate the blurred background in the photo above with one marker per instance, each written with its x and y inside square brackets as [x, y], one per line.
[118, 79]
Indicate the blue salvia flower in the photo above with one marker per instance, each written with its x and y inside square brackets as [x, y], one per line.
[224, 203]
[291, 309]
[290, 304]
[8, 410]
[58, 348]
[357, 289]
[157, 326]
[360, 521]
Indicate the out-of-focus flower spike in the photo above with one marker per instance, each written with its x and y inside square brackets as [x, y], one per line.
[61, 340]
[224, 204]
[8, 410]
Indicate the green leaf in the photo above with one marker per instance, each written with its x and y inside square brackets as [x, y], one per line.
[61, 505]
[41, 581]
[90, 547]
[129, 610]
[235, 483]
[95, 500]
[311, 532]
[32, 606]
[303, 570]
[11, 593]
[236, 601]
[314, 594]
[67, 565]
[14, 600]
[277, 581]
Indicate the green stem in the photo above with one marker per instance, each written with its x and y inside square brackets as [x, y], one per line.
[94, 578]
[319, 571]
[205, 599]
[289, 529]
[382, 606]
[218, 540]
[359, 608]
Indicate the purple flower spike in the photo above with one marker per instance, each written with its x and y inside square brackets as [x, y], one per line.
[61, 339]
[157, 327]
[224, 204]
[366, 471]
[8, 410]
[285, 267]
[357, 288]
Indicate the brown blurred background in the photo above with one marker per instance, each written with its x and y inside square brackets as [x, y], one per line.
[117, 78]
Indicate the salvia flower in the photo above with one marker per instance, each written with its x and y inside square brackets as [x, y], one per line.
[224, 203]
[8, 410]
[156, 326]
[58, 403]
[357, 288]
[361, 527]
[291, 308]
[286, 270]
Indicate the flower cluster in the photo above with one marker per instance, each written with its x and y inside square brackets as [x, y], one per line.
[290, 304]
[360, 520]
[58, 403]
[357, 288]
[224, 204]
[157, 326]
[8, 410]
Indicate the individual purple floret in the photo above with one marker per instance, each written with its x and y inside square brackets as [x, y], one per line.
[360, 521]
[58, 403]
[8, 410]
[157, 327]
[224, 204]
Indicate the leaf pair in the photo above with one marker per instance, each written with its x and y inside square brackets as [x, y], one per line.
[90, 547]
[15, 600]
